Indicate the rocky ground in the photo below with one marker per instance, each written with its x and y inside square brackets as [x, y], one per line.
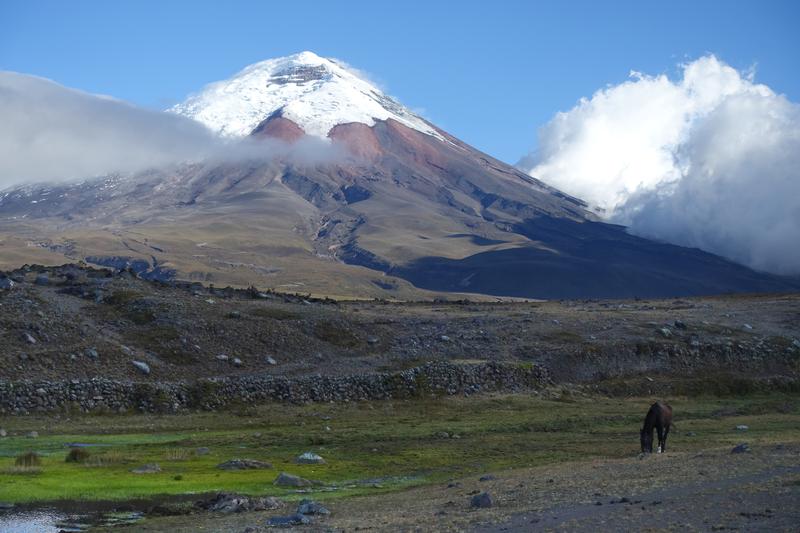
[77, 323]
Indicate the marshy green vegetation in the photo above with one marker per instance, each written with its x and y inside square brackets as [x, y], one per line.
[368, 446]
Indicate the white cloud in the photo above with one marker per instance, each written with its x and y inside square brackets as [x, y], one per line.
[711, 160]
[50, 133]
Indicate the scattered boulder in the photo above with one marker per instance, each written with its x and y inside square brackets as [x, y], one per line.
[271, 361]
[27, 337]
[42, 280]
[6, 284]
[222, 357]
[309, 458]
[143, 367]
[741, 448]
[747, 326]
[444, 338]
[243, 464]
[372, 340]
[481, 501]
[291, 520]
[679, 324]
[290, 480]
[150, 468]
[226, 502]
[3, 433]
[91, 353]
[665, 332]
[742, 427]
[33, 434]
[310, 507]
[487, 477]
[237, 362]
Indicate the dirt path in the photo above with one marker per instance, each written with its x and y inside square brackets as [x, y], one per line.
[762, 501]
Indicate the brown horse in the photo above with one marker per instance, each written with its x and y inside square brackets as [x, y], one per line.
[659, 417]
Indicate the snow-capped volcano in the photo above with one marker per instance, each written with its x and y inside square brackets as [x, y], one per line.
[313, 92]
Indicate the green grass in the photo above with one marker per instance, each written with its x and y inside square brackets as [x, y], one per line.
[393, 440]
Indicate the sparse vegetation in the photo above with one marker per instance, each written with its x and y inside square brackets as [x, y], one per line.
[495, 432]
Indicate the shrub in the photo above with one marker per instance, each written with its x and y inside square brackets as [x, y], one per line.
[28, 459]
[77, 455]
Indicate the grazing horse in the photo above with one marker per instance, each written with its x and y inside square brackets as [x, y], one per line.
[659, 417]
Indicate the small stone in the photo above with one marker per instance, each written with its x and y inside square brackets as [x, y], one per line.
[442, 435]
[222, 357]
[309, 458]
[202, 451]
[237, 361]
[271, 361]
[91, 353]
[6, 284]
[487, 477]
[742, 427]
[665, 332]
[444, 338]
[741, 448]
[33, 434]
[27, 337]
[142, 367]
[372, 340]
[747, 326]
[482, 500]
[234, 314]
[679, 324]
[796, 343]
[150, 468]
[42, 279]
[3, 433]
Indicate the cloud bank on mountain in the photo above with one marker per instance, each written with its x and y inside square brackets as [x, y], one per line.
[710, 160]
[50, 133]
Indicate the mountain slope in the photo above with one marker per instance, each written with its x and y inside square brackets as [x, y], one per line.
[397, 205]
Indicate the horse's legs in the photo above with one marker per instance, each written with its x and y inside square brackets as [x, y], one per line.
[664, 444]
[660, 430]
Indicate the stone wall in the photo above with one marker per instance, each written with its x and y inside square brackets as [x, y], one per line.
[100, 394]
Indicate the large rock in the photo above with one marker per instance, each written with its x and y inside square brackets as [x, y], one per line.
[309, 458]
[151, 468]
[290, 480]
[243, 464]
[481, 501]
[142, 367]
[291, 520]
[225, 502]
[741, 448]
[310, 507]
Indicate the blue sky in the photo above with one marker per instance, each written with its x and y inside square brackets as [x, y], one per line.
[490, 73]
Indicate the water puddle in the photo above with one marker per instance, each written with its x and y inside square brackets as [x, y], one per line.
[50, 520]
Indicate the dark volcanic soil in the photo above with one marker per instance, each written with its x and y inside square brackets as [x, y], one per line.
[67, 322]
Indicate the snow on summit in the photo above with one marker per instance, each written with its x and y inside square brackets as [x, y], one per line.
[313, 92]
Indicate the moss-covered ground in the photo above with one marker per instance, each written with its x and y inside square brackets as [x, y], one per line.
[369, 447]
